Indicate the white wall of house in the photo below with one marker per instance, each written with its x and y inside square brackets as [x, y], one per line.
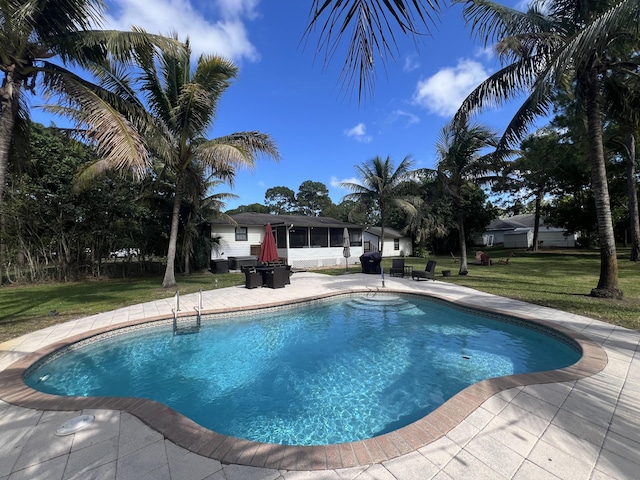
[229, 247]
[522, 239]
[307, 257]
[322, 257]
[405, 246]
[491, 237]
[554, 238]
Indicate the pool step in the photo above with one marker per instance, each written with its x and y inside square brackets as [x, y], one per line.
[382, 301]
[184, 329]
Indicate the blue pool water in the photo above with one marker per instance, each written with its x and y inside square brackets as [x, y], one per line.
[332, 372]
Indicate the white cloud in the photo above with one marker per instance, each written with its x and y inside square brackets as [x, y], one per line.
[359, 133]
[411, 63]
[226, 36]
[443, 92]
[337, 183]
[487, 53]
[408, 118]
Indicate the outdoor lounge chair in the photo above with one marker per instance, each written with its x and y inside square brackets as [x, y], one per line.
[428, 273]
[397, 267]
[252, 279]
[276, 278]
[455, 259]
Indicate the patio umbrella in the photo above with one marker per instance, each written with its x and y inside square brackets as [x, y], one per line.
[268, 250]
[346, 243]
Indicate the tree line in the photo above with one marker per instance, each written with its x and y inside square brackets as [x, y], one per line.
[147, 112]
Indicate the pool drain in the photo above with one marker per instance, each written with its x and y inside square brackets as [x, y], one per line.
[75, 425]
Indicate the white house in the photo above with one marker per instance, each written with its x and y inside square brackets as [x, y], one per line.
[517, 232]
[395, 244]
[302, 242]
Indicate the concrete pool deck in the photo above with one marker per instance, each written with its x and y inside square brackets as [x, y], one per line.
[584, 428]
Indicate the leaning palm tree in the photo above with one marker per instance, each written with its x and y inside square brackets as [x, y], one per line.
[173, 106]
[565, 44]
[461, 161]
[380, 188]
[38, 41]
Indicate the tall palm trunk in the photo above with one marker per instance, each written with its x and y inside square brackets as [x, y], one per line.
[9, 96]
[536, 220]
[169, 280]
[608, 281]
[632, 188]
[463, 244]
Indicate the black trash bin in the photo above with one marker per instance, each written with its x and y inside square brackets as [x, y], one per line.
[371, 262]
[219, 265]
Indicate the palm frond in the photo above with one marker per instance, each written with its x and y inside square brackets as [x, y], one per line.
[83, 47]
[239, 149]
[99, 116]
[370, 24]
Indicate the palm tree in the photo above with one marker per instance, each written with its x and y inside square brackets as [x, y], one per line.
[173, 118]
[461, 162]
[380, 188]
[32, 32]
[558, 43]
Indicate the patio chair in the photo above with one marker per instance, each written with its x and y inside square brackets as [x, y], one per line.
[455, 259]
[252, 278]
[429, 272]
[485, 260]
[276, 278]
[397, 267]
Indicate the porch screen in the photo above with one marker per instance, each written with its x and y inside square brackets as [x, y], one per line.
[298, 238]
[336, 237]
[281, 237]
[319, 237]
[355, 238]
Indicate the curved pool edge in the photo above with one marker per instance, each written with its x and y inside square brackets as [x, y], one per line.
[229, 450]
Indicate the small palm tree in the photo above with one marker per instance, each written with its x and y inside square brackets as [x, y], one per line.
[173, 117]
[32, 33]
[460, 161]
[380, 188]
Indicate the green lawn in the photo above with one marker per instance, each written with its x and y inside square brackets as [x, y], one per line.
[560, 279]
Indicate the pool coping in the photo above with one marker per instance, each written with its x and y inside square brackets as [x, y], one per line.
[229, 450]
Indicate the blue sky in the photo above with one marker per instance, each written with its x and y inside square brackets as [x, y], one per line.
[285, 89]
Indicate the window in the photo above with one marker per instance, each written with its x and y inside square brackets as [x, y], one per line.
[355, 237]
[298, 238]
[319, 237]
[336, 237]
[281, 237]
[396, 244]
[241, 234]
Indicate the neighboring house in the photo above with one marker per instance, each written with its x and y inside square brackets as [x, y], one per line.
[517, 232]
[395, 244]
[303, 242]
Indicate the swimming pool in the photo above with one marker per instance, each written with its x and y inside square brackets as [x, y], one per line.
[334, 371]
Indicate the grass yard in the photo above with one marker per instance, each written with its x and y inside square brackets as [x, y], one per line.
[560, 279]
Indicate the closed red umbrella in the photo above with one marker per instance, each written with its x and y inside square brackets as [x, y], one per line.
[268, 249]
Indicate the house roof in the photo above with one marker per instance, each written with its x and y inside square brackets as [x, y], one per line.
[388, 232]
[249, 219]
[524, 221]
